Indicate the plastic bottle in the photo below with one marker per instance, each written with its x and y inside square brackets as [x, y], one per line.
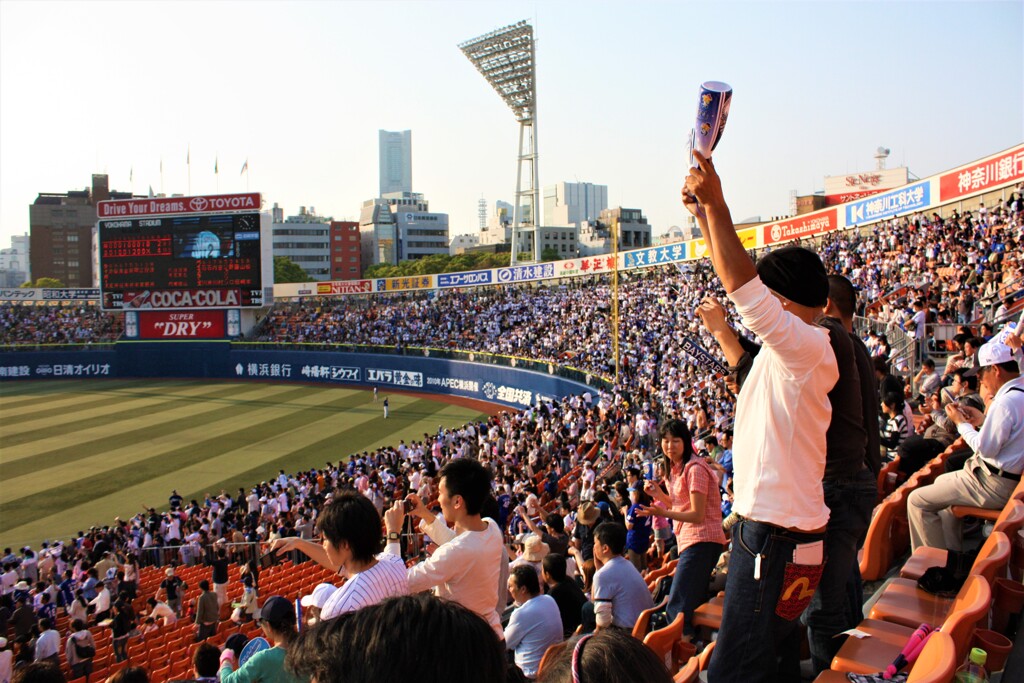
[974, 670]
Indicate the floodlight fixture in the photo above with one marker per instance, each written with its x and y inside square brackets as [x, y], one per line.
[505, 58]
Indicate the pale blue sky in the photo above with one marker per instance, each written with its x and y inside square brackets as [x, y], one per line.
[301, 88]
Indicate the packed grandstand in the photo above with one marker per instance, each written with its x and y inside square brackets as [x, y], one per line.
[928, 286]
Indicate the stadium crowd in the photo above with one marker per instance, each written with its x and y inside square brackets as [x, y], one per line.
[538, 498]
[75, 324]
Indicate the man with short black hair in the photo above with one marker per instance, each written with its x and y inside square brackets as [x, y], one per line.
[564, 591]
[620, 593]
[467, 565]
[535, 624]
[207, 612]
[782, 415]
[47, 643]
[220, 575]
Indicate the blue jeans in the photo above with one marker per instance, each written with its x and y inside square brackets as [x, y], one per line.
[850, 503]
[753, 630]
[690, 583]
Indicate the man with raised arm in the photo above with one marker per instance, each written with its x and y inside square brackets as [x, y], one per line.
[782, 415]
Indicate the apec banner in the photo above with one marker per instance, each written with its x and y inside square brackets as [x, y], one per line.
[997, 170]
[511, 387]
[910, 198]
[801, 226]
[495, 384]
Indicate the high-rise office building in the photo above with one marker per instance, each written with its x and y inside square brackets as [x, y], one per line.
[573, 203]
[399, 226]
[395, 161]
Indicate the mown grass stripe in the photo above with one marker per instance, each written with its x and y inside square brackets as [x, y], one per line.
[207, 473]
[43, 391]
[337, 446]
[114, 407]
[34, 482]
[98, 439]
[71, 494]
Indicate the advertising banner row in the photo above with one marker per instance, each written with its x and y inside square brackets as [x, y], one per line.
[999, 170]
[511, 387]
[994, 172]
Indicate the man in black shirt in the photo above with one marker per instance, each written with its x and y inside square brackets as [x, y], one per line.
[852, 461]
[173, 587]
[565, 592]
[220, 575]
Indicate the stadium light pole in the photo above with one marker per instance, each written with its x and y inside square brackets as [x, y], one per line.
[505, 58]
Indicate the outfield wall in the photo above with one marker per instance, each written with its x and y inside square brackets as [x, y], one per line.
[507, 386]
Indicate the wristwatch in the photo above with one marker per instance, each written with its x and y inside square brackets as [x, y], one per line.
[394, 536]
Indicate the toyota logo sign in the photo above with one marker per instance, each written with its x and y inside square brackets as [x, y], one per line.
[198, 204]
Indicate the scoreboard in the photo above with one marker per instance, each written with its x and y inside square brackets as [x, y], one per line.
[186, 260]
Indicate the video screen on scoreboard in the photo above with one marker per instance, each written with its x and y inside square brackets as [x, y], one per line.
[205, 261]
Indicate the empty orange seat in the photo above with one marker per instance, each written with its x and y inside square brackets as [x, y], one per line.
[874, 654]
[902, 602]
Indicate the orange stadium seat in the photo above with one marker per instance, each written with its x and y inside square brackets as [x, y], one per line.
[935, 664]
[886, 639]
[902, 602]
[643, 620]
[667, 643]
[1011, 519]
[879, 543]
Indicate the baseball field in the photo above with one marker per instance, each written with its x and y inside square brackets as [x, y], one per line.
[75, 455]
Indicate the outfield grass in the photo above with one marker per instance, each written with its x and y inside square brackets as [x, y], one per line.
[74, 455]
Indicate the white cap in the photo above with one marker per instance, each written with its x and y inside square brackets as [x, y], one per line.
[319, 597]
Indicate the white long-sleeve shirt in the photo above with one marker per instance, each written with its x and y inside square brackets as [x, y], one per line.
[782, 415]
[1001, 439]
[464, 568]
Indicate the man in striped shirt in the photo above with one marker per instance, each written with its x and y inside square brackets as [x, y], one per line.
[351, 529]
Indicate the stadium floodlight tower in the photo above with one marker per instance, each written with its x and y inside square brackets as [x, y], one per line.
[505, 57]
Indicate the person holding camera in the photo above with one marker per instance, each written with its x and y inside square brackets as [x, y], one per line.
[351, 531]
[467, 565]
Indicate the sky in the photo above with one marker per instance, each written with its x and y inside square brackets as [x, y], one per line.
[300, 89]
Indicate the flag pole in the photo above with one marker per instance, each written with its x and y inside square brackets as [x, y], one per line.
[188, 163]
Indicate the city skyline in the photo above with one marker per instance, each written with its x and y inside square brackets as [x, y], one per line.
[291, 90]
